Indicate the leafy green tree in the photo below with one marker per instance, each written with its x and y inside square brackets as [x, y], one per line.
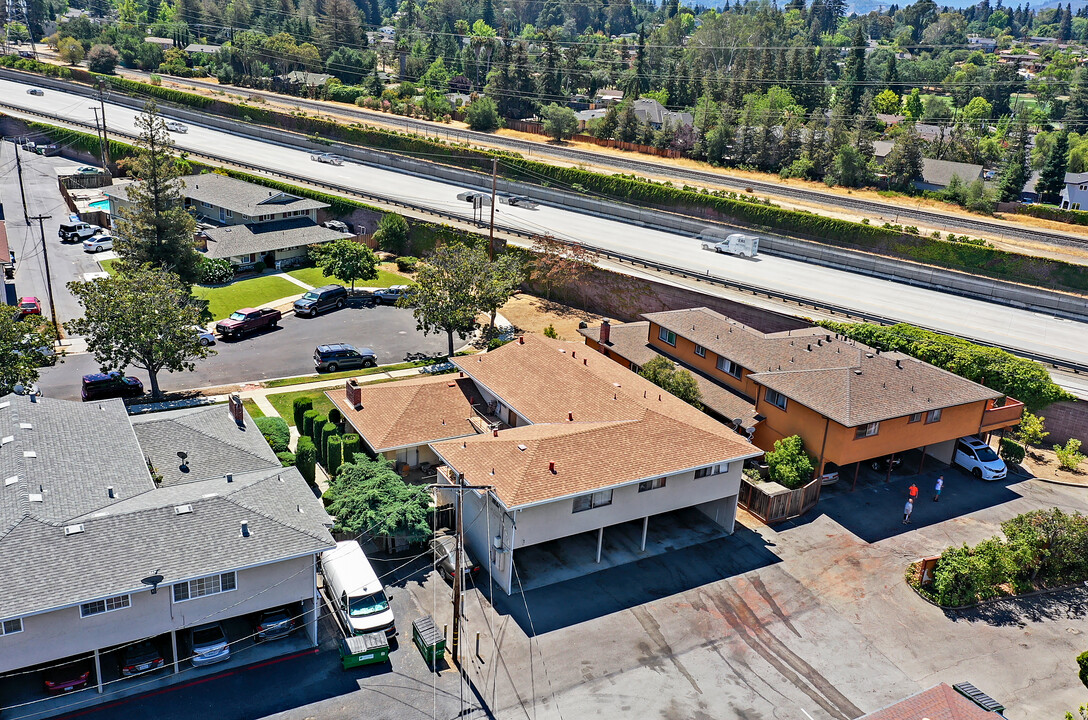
[347, 261]
[437, 76]
[350, 65]
[1082, 663]
[1030, 430]
[445, 296]
[102, 59]
[70, 50]
[912, 106]
[560, 122]
[155, 229]
[1082, 711]
[498, 281]
[1052, 176]
[483, 115]
[368, 496]
[789, 464]
[663, 372]
[141, 318]
[1012, 451]
[955, 581]
[886, 102]
[24, 347]
[903, 164]
[850, 168]
[392, 233]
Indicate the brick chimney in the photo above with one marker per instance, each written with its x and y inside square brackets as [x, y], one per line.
[354, 394]
[234, 406]
[606, 332]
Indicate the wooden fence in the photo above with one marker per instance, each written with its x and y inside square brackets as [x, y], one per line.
[778, 505]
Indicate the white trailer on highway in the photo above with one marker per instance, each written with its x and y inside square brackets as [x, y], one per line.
[731, 244]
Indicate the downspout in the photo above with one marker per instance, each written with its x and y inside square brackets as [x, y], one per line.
[820, 471]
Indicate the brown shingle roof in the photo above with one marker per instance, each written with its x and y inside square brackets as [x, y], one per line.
[840, 379]
[940, 702]
[410, 412]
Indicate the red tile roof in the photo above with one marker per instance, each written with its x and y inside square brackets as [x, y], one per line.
[940, 702]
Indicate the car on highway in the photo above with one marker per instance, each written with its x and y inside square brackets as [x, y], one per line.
[979, 459]
[68, 676]
[342, 356]
[210, 645]
[390, 294]
[444, 552]
[321, 299]
[204, 336]
[35, 91]
[518, 201]
[275, 623]
[102, 386]
[476, 198]
[327, 158]
[98, 243]
[29, 305]
[87, 170]
[175, 126]
[139, 658]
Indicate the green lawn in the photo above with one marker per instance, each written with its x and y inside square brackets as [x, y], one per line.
[222, 301]
[107, 265]
[314, 276]
[252, 409]
[303, 379]
[284, 402]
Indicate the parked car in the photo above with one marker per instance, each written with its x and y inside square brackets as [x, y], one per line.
[444, 549]
[275, 624]
[210, 645]
[979, 459]
[101, 386]
[247, 320]
[98, 243]
[341, 356]
[139, 658]
[42, 354]
[87, 170]
[831, 474]
[77, 231]
[175, 126]
[321, 299]
[327, 158]
[205, 336]
[881, 464]
[390, 294]
[35, 91]
[29, 305]
[67, 677]
[337, 225]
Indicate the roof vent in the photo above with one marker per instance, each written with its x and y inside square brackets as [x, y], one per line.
[522, 448]
[210, 495]
[230, 477]
[585, 361]
[857, 372]
[26, 426]
[521, 340]
[183, 509]
[827, 338]
[35, 497]
[562, 350]
[574, 353]
[868, 355]
[11, 480]
[109, 492]
[6, 439]
[570, 417]
[5, 404]
[298, 509]
[73, 530]
[551, 468]
[29, 454]
[495, 432]
[899, 364]
[245, 528]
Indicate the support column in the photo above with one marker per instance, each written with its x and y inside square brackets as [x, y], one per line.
[645, 526]
[891, 463]
[98, 669]
[316, 608]
[600, 542]
[174, 648]
[857, 469]
[922, 464]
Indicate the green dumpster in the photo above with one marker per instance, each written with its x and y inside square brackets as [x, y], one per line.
[364, 650]
[431, 643]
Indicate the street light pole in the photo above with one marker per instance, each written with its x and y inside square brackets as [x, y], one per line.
[491, 238]
[22, 192]
[48, 275]
[105, 138]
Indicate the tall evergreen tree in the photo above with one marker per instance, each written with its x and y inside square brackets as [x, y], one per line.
[1016, 172]
[1065, 25]
[904, 161]
[1052, 176]
[853, 79]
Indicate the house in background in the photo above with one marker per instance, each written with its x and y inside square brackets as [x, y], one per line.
[937, 174]
[1075, 192]
[648, 110]
[568, 441]
[246, 223]
[110, 539]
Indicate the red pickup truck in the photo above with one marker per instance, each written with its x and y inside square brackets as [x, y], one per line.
[247, 320]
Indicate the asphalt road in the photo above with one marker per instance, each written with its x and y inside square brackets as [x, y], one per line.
[1008, 327]
[284, 352]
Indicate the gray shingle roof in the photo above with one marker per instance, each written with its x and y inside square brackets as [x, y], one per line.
[82, 448]
[263, 237]
[238, 196]
[940, 172]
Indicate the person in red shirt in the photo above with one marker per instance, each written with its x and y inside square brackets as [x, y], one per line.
[913, 491]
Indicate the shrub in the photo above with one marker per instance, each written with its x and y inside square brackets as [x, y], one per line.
[1012, 451]
[308, 419]
[300, 406]
[215, 271]
[789, 464]
[276, 432]
[327, 497]
[1069, 456]
[1030, 430]
[315, 430]
[483, 115]
[336, 417]
[259, 267]
[392, 233]
[955, 582]
[102, 59]
[306, 458]
[350, 444]
[1082, 661]
[287, 459]
[328, 429]
[407, 264]
[549, 332]
[334, 454]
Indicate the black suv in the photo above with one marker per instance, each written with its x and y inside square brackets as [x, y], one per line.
[100, 386]
[321, 299]
[343, 356]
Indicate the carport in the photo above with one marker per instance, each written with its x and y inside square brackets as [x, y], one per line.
[911, 462]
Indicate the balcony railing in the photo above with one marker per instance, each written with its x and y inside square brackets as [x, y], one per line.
[995, 417]
[484, 420]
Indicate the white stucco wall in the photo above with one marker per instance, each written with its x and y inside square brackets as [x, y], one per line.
[62, 633]
[480, 531]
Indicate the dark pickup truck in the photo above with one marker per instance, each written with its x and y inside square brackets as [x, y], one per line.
[247, 320]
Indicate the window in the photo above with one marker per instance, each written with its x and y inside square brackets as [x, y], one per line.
[700, 351]
[712, 470]
[865, 431]
[729, 367]
[933, 416]
[209, 585]
[98, 607]
[916, 417]
[593, 500]
[775, 398]
[1076, 206]
[229, 213]
[654, 484]
[667, 335]
[204, 204]
[10, 627]
[635, 368]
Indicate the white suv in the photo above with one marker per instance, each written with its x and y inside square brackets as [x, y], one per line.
[979, 459]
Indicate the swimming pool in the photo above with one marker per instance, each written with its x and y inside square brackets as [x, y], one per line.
[103, 205]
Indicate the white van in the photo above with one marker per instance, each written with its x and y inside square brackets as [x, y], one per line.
[355, 590]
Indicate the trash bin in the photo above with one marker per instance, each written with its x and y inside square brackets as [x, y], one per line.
[431, 643]
[359, 650]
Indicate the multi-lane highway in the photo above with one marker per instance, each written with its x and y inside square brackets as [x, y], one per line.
[1008, 327]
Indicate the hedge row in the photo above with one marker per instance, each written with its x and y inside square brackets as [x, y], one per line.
[1048, 212]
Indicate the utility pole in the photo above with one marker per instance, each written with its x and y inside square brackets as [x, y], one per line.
[105, 139]
[491, 240]
[22, 193]
[48, 275]
[101, 139]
